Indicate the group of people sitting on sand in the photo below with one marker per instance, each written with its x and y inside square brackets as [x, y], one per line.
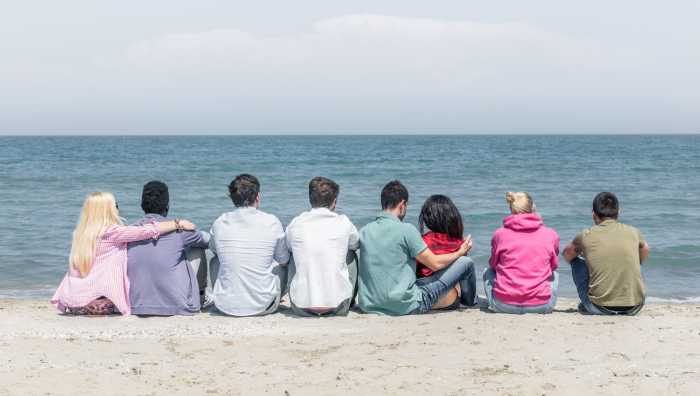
[160, 266]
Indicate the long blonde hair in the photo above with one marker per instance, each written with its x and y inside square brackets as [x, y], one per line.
[520, 202]
[99, 213]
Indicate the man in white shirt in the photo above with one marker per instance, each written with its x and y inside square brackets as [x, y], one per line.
[323, 270]
[252, 254]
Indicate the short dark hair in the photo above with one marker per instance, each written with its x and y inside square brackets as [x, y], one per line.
[606, 205]
[393, 193]
[439, 214]
[322, 192]
[244, 189]
[155, 198]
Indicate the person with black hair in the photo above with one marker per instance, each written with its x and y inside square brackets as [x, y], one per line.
[389, 249]
[323, 268]
[606, 262]
[442, 228]
[163, 282]
[251, 254]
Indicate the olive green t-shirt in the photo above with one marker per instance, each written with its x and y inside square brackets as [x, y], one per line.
[387, 271]
[611, 250]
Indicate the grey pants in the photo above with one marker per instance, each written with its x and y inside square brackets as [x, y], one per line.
[344, 307]
[200, 265]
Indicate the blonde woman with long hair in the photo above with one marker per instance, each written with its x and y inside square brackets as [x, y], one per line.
[96, 282]
[522, 276]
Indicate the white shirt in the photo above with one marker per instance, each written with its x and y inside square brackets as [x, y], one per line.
[249, 244]
[320, 240]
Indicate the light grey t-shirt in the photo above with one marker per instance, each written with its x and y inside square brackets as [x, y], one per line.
[249, 244]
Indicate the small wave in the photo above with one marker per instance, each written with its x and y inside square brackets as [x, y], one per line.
[683, 300]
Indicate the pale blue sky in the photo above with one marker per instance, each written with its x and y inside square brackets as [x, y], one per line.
[349, 67]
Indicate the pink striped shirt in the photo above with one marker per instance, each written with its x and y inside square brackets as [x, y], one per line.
[107, 277]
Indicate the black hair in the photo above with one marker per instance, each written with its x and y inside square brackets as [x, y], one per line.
[606, 205]
[155, 198]
[393, 193]
[322, 192]
[439, 214]
[244, 189]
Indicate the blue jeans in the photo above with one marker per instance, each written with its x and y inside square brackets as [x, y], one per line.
[497, 306]
[439, 283]
[579, 271]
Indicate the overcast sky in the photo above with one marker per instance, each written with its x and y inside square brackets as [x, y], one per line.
[205, 67]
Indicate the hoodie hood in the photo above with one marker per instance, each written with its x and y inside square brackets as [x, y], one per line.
[525, 222]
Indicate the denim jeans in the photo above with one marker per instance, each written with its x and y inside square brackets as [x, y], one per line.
[436, 285]
[579, 271]
[497, 306]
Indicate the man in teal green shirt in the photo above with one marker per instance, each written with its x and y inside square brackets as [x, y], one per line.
[389, 249]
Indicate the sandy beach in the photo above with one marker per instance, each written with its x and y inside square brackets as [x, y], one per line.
[460, 352]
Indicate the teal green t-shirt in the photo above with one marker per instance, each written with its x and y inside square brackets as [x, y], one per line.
[387, 273]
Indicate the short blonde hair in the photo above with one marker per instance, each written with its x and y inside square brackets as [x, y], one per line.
[520, 202]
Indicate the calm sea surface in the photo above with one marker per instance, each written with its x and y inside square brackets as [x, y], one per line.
[43, 181]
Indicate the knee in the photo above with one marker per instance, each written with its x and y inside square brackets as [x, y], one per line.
[467, 262]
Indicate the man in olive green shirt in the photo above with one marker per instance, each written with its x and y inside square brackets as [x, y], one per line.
[606, 262]
[389, 249]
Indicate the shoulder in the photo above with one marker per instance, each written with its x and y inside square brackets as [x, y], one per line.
[343, 219]
[298, 220]
[588, 231]
[140, 222]
[550, 231]
[627, 227]
[220, 219]
[630, 229]
[111, 230]
[410, 230]
[269, 218]
[368, 227]
[499, 233]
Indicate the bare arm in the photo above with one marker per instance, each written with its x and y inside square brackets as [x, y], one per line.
[165, 227]
[437, 262]
[643, 252]
[569, 252]
[573, 249]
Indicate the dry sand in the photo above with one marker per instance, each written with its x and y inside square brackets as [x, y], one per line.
[463, 352]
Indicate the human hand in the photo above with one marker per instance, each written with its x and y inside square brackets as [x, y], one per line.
[466, 246]
[187, 225]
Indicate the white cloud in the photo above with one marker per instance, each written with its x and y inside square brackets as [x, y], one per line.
[375, 73]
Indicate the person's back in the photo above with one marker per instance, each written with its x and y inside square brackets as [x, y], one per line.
[606, 262]
[387, 280]
[162, 281]
[611, 250]
[522, 277]
[525, 255]
[322, 277]
[250, 247]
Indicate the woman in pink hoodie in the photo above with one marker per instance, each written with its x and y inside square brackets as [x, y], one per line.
[522, 277]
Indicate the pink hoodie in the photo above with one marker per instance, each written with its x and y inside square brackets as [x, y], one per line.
[524, 253]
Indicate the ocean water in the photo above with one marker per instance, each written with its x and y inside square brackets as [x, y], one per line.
[43, 181]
